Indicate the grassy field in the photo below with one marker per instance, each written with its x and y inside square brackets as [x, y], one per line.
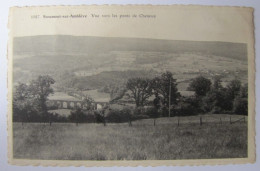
[142, 141]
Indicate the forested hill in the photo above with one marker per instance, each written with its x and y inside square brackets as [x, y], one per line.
[63, 44]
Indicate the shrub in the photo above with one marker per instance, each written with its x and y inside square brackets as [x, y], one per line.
[52, 106]
[184, 109]
[79, 116]
[142, 113]
[90, 118]
[164, 111]
[98, 117]
[152, 112]
[54, 117]
[240, 106]
[118, 116]
[216, 110]
[138, 111]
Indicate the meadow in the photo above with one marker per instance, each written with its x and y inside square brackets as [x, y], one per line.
[143, 141]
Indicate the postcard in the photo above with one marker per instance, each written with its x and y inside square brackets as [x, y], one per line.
[131, 85]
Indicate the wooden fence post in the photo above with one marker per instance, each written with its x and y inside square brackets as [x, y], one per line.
[50, 119]
[220, 120]
[200, 121]
[130, 123]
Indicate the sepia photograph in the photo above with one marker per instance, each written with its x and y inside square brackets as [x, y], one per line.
[128, 98]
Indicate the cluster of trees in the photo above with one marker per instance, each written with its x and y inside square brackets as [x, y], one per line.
[29, 100]
[30, 103]
[163, 88]
[159, 97]
[213, 97]
[161, 92]
[210, 96]
[153, 98]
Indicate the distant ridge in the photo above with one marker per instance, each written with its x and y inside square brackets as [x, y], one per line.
[35, 45]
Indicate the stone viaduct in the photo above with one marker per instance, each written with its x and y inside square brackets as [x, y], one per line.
[71, 104]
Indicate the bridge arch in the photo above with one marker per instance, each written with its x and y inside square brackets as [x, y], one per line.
[72, 105]
[64, 104]
[78, 104]
[59, 104]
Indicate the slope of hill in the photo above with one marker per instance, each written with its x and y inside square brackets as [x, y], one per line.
[115, 78]
[63, 44]
[93, 62]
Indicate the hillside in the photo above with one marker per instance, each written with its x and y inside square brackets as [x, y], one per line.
[94, 62]
[63, 44]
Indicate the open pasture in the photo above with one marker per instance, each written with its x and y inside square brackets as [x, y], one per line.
[142, 141]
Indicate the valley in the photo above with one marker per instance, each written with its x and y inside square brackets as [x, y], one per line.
[93, 63]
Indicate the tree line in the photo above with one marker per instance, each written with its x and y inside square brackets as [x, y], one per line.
[153, 98]
[210, 95]
[213, 97]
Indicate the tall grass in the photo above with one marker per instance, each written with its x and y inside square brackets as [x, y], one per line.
[142, 141]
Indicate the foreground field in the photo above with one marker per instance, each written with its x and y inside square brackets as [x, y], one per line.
[142, 141]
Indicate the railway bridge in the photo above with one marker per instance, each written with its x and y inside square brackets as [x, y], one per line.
[71, 104]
